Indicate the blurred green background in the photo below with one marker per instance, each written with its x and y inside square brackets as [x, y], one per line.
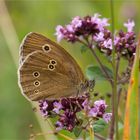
[43, 16]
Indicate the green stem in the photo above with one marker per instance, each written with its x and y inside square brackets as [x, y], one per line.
[99, 136]
[12, 41]
[84, 135]
[98, 60]
[114, 94]
[102, 67]
[91, 133]
[64, 136]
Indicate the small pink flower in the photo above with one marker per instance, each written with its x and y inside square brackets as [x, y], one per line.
[99, 37]
[76, 22]
[44, 113]
[69, 27]
[102, 23]
[107, 117]
[85, 104]
[57, 107]
[43, 108]
[116, 40]
[95, 18]
[93, 112]
[59, 125]
[59, 33]
[45, 105]
[108, 44]
[129, 25]
[98, 103]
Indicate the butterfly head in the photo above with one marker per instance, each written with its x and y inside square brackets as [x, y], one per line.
[88, 85]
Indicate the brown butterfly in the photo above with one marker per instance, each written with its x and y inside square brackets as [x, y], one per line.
[47, 71]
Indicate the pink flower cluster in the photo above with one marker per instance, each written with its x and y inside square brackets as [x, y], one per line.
[97, 110]
[124, 42]
[81, 27]
[94, 29]
[66, 110]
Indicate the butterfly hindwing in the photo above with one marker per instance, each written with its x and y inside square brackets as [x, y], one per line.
[38, 81]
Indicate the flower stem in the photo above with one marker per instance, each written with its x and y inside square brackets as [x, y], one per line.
[91, 133]
[102, 67]
[84, 135]
[117, 65]
[98, 60]
[99, 136]
[114, 94]
[9, 32]
[64, 136]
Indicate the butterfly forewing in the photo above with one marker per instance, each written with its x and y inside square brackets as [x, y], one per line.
[34, 41]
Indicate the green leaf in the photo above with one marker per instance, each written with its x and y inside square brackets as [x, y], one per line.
[77, 131]
[109, 71]
[95, 73]
[99, 125]
[84, 49]
[131, 120]
[120, 128]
